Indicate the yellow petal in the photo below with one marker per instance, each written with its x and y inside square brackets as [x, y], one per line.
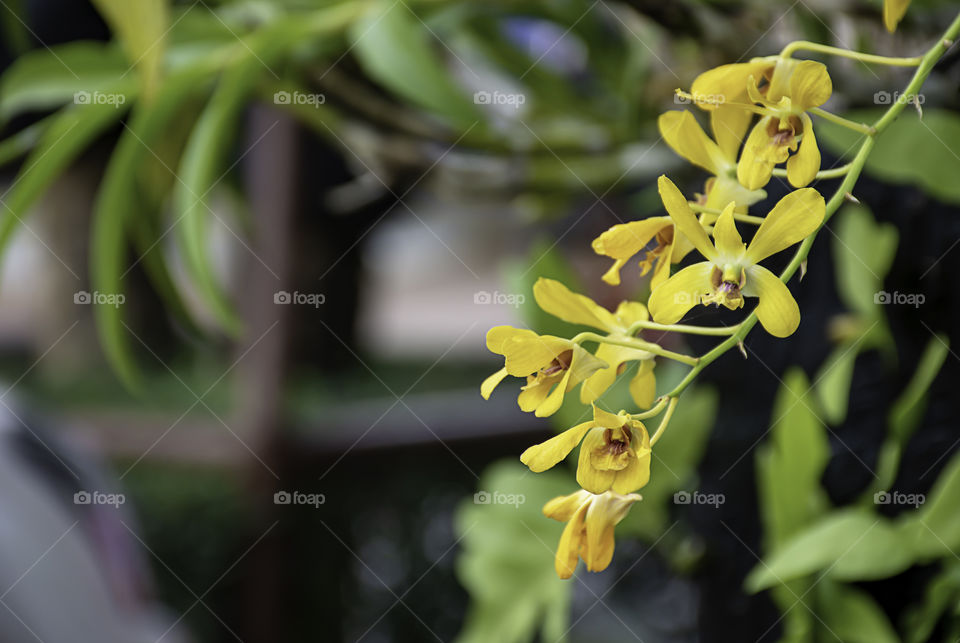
[681, 132]
[684, 218]
[643, 386]
[630, 312]
[727, 83]
[612, 276]
[571, 542]
[729, 125]
[792, 219]
[531, 397]
[624, 240]
[680, 293]
[606, 419]
[603, 515]
[524, 351]
[893, 12]
[543, 456]
[486, 389]
[803, 166]
[777, 310]
[729, 243]
[637, 472]
[595, 385]
[552, 403]
[563, 508]
[810, 85]
[589, 477]
[756, 167]
[558, 300]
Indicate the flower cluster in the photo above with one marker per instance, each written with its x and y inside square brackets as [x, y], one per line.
[760, 119]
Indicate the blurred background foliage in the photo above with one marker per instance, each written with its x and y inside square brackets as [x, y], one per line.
[399, 109]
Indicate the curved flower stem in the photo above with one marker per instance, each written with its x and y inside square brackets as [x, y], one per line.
[639, 344]
[855, 168]
[832, 173]
[652, 411]
[682, 328]
[805, 45]
[840, 120]
[665, 421]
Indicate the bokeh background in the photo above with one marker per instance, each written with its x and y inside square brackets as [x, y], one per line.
[250, 253]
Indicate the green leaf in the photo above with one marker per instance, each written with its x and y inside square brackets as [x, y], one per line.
[393, 46]
[851, 544]
[66, 136]
[907, 411]
[936, 526]
[48, 78]
[141, 27]
[117, 200]
[506, 562]
[790, 465]
[833, 381]
[942, 592]
[933, 166]
[674, 466]
[851, 615]
[863, 251]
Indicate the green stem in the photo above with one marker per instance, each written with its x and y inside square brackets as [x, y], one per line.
[746, 218]
[855, 168]
[653, 411]
[639, 344]
[840, 120]
[832, 173]
[847, 53]
[682, 328]
[665, 422]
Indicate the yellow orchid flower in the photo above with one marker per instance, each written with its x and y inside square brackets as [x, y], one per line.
[591, 520]
[558, 300]
[624, 240]
[615, 455]
[731, 270]
[893, 12]
[792, 87]
[551, 365]
[785, 127]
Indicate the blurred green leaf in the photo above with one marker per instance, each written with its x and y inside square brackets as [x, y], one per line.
[507, 560]
[934, 165]
[851, 615]
[853, 544]
[675, 461]
[141, 27]
[48, 78]
[393, 47]
[936, 526]
[907, 411]
[941, 593]
[833, 381]
[66, 137]
[863, 251]
[790, 464]
[117, 200]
